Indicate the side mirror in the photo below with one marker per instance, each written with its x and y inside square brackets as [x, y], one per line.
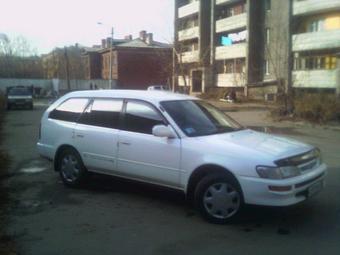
[163, 131]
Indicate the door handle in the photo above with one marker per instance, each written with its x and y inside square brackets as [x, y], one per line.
[125, 143]
[80, 136]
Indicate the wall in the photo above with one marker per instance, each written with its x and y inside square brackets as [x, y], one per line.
[83, 84]
[45, 84]
[140, 68]
[48, 85]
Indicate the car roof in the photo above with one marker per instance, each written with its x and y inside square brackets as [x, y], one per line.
[150, 96]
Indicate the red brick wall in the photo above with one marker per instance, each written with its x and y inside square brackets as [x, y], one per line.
[140, 68]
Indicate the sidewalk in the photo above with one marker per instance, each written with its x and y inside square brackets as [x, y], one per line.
[258, 115]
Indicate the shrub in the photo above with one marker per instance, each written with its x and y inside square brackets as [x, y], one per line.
[317, 107]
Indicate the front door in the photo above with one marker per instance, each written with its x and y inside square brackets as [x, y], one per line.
[142, 155]
[197, 77]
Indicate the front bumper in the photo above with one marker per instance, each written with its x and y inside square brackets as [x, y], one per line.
[256, 190]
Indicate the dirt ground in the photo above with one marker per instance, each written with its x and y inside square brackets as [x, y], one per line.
[112, 216]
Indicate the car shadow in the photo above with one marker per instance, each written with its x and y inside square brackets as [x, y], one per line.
[283, 219]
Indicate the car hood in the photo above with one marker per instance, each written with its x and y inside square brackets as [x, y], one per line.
[261, 144]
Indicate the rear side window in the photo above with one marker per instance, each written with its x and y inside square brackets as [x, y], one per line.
[103, 113]
[141, 118]
[70, 110]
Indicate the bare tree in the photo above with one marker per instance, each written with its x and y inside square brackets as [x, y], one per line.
[180, 69]
[18, 59]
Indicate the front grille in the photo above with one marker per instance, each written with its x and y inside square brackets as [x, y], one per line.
[309, 165]
[304, 161]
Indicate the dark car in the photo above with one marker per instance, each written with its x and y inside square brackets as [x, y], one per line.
[19, 96]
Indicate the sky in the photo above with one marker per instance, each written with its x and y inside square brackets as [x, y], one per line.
[56, 23]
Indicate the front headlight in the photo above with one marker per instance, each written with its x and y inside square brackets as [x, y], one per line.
[277, 173]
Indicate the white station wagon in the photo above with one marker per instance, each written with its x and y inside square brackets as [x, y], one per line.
[179, 142]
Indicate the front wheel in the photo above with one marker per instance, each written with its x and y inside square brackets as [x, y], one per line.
[71, 168]
[219, 198]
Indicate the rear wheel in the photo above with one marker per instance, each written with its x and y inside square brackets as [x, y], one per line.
[71, 168]
[8, 106]
[219, 198]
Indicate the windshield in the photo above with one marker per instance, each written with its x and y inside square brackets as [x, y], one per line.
[199, 118]
[19, 92]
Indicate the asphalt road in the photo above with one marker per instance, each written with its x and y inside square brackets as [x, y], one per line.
[111, 216]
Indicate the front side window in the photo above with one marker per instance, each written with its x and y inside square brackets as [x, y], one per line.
[198, 118]
[141, 118]
[103, 113]
[70, 110]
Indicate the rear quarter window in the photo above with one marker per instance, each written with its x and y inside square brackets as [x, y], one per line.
[70, 110]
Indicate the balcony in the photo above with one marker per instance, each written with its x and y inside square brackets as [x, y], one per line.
[231, 23]
[188, 9]
[231, 52]
[189, 33]
[308, 7]
[315, 79]
[190, 56]
[316, 40]
[230, 80]
[218, 2]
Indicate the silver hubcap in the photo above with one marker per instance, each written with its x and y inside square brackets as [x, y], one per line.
[221, 200]
[70, 168]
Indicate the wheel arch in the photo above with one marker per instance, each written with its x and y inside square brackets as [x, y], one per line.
[200, 172]
[58, 152]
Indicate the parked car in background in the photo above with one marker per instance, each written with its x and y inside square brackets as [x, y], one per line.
[180, 142]
[19, 96]
[158, 87]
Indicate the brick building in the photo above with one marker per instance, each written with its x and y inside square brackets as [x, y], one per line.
[136, 63]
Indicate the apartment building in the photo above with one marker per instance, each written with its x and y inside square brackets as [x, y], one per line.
[316, 44]
[192, 44]
[257, 47]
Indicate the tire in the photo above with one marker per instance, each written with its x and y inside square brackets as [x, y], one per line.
[31, 106]
[219, 198]
[8, 107]
[71, 168]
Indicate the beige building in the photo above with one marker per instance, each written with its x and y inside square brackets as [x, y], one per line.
[258, 48]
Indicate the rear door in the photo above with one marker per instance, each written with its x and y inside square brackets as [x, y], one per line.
[142, 155]
[96, 134]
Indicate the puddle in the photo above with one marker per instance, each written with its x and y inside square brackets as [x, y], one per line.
[33, 170]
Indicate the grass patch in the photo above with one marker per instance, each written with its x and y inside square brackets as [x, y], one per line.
[320, 108]
[6, 243]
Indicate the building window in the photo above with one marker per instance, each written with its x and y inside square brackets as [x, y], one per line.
[231, 66]
[267, 35]
[224, 12]
[267, 5]
[266, 67]
[315, 63]
[316, 25]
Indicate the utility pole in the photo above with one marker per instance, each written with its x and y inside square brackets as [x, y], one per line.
[111, 49]
[67, 69]
[111, 46]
